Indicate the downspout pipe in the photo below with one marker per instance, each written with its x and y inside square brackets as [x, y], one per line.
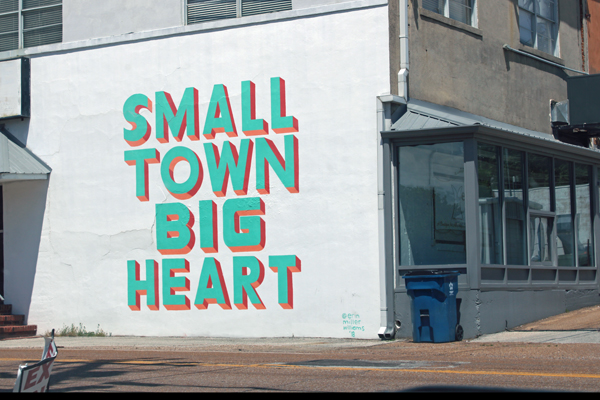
[403, 73]
[524, 53]
[385, 214]
[387, 274]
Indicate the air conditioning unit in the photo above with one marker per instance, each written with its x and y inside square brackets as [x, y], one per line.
[584, 100]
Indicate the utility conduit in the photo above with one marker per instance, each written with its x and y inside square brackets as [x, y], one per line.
[524, 53]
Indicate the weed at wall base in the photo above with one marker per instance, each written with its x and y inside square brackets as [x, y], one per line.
[78, 331]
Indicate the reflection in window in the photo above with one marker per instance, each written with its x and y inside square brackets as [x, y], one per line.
[432, 204]
[490, 212]
[538, 26]
[564, 218]
[516, 235]
[540, 239]
[583, 220]
[459, 10]
[539, 168]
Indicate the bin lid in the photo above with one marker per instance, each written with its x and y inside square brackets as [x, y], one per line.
[430, 273]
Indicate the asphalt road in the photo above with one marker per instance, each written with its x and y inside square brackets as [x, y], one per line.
[312, 366]
[523, 360]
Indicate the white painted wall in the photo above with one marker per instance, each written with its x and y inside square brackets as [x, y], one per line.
[87, 19]
[298, 4]
[334, 67]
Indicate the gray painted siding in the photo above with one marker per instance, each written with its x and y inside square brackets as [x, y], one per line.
[484, 312]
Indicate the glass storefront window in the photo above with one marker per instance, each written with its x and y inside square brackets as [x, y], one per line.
[539, 200]
[583, 218]
[432, 204]
[564, 219]
[514, 208]
[490, 211]
[540, 239]
[539, 168]
[533, 210]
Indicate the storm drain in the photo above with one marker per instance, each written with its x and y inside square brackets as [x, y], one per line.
[400, 364]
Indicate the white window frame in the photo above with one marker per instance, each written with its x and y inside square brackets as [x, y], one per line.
[20, 12]
[444, 10]
[536, 14]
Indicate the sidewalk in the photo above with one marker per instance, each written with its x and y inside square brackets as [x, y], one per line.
[579, 326]
[188, 343]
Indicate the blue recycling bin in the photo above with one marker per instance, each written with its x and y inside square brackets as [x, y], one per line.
[433, 305]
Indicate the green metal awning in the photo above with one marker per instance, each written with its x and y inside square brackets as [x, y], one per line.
[17, 162]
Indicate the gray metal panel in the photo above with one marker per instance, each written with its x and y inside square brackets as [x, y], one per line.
[584, 99]
[413, 120]
[16, 159]
[424, 115]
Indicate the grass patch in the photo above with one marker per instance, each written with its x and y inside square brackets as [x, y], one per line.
[78, 331]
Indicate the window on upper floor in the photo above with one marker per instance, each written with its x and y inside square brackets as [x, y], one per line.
[459, 10]
[28, 23]
[210, 10]
[538, 24]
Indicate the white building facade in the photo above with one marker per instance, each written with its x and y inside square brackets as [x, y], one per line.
[226, 175]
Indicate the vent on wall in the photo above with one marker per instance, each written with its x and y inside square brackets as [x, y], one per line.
[559, 112]
[28, 23]
[211, 10]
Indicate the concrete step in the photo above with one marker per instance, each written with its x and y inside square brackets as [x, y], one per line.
[13, 326]
[6, 320]
[13, 331]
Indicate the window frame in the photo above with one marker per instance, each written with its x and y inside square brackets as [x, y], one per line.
[536, 13]
[438, 244]
[21, 12]
[444, 11]
[549, 214]
[544, 273]
[503, 276]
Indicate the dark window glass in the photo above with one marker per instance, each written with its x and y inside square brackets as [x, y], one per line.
[490, 210]
[514, 208]
[583, 217]
[539, 169]
[432, 204]
[565, 238]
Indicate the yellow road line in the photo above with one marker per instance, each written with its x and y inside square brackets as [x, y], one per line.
[446, 371]
[426, 371]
